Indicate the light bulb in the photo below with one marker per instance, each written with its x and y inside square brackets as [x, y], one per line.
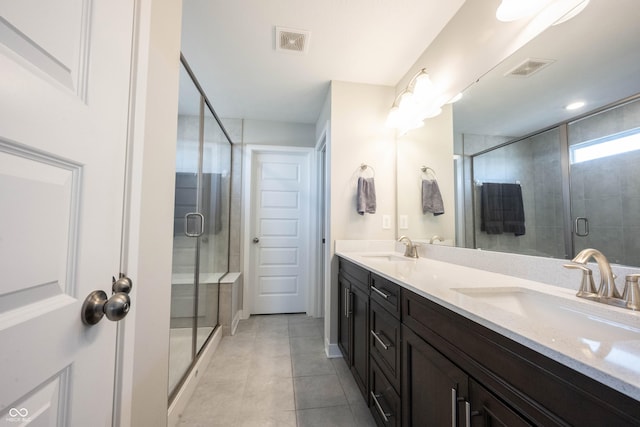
[423, 87]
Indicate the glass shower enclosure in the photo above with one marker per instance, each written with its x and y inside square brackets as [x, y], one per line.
[201, 226]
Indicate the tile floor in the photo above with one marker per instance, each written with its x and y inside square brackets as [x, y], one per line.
[274, 372]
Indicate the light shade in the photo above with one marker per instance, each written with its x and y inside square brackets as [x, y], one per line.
[416, 103]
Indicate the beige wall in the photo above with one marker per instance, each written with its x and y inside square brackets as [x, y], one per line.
[358, 135]
[432, 146]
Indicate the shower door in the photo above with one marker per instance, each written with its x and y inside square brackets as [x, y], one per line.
[605, 182]
[185, 227]
[201, 227]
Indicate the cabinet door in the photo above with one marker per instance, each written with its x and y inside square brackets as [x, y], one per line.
[487, 410]
[433, 388]
[344, 319]
[359, 301]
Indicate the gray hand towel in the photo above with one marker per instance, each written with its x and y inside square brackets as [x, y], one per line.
[366, 197]
[431, 197]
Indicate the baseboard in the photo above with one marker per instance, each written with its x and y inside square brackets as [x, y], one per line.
[332, 350]
[235, 321]
[186, 391]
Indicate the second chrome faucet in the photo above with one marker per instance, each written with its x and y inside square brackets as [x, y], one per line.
[606, 292]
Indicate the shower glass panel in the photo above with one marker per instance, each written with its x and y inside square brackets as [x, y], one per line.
[214, 248]
[605, 182]
[201, 227]
[183, 285]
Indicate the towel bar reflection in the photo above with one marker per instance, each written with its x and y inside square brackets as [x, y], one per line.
[364, 167]
[426, 170]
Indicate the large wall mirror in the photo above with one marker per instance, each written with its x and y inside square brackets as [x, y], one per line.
[514, 137]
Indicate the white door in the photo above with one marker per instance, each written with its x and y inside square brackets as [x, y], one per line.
[64, 90]
[280, 241]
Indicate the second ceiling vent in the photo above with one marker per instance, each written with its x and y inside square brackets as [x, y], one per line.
[291, 40]
[528, 67]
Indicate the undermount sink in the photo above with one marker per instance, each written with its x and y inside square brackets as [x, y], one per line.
[389, 258]
[588, 323]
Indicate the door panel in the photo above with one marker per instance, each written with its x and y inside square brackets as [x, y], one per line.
[63, 129]
[280, 256]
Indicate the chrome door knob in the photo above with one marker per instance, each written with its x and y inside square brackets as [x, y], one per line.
[256, 240]
[123, 284]
[96, 306]
[117, 307]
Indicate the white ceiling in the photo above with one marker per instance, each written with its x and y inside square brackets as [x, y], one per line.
[597, 60]
[231, 48]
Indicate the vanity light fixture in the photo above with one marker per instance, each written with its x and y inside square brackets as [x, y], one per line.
[414, 104]
[573, 11]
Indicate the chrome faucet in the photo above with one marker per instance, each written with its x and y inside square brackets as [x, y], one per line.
[607, 292]
[607, 287]
[411, 249]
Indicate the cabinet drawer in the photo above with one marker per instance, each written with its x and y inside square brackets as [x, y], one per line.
[384, 343]
[358, 276]
[386, 293]
[384, 402]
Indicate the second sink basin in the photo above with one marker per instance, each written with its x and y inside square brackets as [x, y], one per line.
[561, 316]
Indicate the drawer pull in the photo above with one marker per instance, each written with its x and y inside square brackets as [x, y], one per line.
[385, 415]
[382, 343]
[381, 293]
[468, 413]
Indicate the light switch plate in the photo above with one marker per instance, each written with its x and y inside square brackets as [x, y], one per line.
[386, 222]
[404, 222]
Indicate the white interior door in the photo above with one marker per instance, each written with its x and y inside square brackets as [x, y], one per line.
[64, 90]
[281, 236]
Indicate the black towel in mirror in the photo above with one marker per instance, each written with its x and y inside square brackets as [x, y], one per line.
[501, 209]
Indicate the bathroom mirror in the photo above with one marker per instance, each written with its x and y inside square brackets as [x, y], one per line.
[594, 57]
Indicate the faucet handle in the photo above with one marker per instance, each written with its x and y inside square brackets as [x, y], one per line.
[631, 294]
[587, 287]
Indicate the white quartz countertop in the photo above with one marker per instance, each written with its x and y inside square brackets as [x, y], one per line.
[608, 352]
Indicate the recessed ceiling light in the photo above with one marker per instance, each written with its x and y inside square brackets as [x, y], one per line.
[575, 105]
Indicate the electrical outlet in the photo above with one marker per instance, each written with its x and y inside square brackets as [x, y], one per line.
[404, 222]
[386, 222]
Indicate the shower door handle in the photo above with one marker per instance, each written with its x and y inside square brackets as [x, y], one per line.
[189, 216]
[585, 226]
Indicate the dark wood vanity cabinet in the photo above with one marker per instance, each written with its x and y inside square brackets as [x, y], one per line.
[353, 325]
[420, 364]
[507, 383]
[437, 392]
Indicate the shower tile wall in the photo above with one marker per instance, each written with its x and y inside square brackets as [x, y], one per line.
[535, 164]
[607, 190]
[234, 129]
[469, 145]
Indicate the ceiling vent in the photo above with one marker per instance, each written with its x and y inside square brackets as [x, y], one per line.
[290, 40]
[528, 67]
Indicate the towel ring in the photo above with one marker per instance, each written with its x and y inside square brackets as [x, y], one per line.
[426, 170]
[364, 167]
